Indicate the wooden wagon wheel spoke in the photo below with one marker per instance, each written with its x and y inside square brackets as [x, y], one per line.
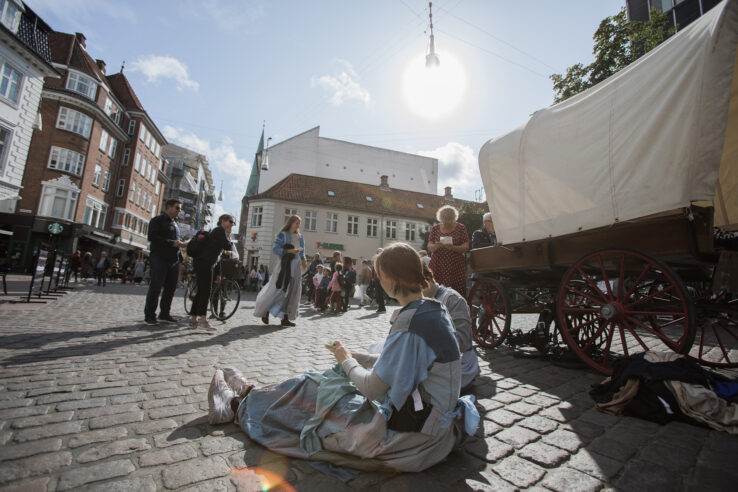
[722, 346]
[649, 296]
[672, 344]
[643, 273]
[604, 276]
[622, 340]
[635, 335]
[655, 313]
[592, 284]
[580, 310]
[598, 318]
[594, 336]
[582, 294]
[621, 276]
[490, 312]
[608, 343]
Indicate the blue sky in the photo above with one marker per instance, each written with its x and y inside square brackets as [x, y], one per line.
[209, 72]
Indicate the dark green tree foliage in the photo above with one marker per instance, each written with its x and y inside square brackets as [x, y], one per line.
[617, 43]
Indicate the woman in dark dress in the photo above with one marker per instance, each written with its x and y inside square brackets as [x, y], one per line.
[217, 242]
[448, 241]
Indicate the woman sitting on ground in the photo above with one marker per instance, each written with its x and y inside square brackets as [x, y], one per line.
[399, 410]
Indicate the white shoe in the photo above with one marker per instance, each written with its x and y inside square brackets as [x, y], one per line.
[219, 400]
[235, 380]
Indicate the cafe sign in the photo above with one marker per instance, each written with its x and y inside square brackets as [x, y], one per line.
[55, 228]
[337, 247]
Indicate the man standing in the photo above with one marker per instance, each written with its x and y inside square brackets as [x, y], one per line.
[485, 236]
[165, 256]
[101, 268]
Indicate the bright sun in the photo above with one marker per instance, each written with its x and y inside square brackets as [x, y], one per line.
[436, 91]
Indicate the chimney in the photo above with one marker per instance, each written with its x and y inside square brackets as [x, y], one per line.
[81, 39]
[101, 65]
[383, 184]
[448, 195]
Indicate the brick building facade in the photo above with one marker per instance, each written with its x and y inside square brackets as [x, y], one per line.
[95, 164]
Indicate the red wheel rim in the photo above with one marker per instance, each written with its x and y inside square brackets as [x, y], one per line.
[716, 343]
[490, 312]
[617, 302]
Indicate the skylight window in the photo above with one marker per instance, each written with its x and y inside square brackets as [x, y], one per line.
[420, 205]
[369, 199]
[331, 193]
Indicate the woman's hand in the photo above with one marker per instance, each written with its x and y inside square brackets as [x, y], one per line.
[293, 251]
[304, 264]
[340, 352]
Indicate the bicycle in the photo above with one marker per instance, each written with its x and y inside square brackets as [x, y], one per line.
[225, 293]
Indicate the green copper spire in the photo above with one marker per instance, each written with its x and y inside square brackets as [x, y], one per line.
[253, 187]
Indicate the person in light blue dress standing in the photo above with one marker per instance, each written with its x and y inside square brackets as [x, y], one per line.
[280, 297]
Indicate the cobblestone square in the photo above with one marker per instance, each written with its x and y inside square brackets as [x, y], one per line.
[93, 399]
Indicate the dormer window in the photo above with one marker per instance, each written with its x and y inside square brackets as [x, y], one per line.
[81, 84]
[10, 15]
[331, 193]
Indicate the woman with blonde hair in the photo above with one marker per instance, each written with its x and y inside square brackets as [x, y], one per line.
[281, 295]
[396, 411]
[448, 241]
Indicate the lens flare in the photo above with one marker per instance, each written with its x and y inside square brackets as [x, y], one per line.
[436, 91]
[252, 479]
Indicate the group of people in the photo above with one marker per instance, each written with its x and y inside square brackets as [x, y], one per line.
[333, 282]
[255, 279]
[103, 268]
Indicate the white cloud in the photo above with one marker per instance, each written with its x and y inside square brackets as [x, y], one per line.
[342, 85]
[157, 67]
[457, 168]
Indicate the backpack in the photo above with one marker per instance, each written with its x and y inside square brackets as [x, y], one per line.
[351, 277]
[196, 246]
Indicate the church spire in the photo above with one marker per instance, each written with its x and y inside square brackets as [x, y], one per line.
[253, 187]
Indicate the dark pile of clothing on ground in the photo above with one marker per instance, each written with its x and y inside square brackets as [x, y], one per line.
[662, 387]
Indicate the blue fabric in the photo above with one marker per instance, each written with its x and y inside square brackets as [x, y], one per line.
[436, 328]
[335, 471]
[278, 304]
[725, 389]
[403, 365]
[466, 411]
[284, 238]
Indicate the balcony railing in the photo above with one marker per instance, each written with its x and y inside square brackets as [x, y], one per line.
[33, 36]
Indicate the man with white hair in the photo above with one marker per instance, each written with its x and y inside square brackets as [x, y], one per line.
[485, 236]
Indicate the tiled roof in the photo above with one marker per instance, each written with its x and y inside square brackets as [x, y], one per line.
[60, 43]
[299, 188]
[125, 93]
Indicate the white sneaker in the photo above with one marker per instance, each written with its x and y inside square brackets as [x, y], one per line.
[235, 380]
[219, 400]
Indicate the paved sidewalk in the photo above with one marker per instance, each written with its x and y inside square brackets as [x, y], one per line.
[92, 399]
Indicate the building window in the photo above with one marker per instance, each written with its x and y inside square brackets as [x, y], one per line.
[121, 187]
[131, 127]
[256, 216]
[57, 202]
[289, 212]
[4, 146]
[138, 197]
[113, 148]
[311, 220]
[353, 225]
[158, 187]
[390, 230]
[137, 166]
[10, 15]
[371, 227]
[153, 211]
[97, 175]
[126, 155]
[132, 194]
[409, 232]
[108, 108]
[148, 140]
[74, 121]
[331, 222]
[66, 160]
[95, 213]
[10, 83]
[145, 169]
[104, 136]
[106, 181]
[142, 133]
[81, 84]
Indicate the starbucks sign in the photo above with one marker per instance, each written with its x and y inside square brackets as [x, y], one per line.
[55, 228]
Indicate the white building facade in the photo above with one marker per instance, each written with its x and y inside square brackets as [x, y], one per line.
[24, 62]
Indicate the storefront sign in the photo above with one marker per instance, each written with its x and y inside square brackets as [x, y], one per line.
[338, 247]
[55, 228]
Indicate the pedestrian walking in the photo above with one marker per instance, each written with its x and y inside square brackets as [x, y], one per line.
[76, 264]
[253, 279]
[165, 240]
[349, 281]
[281, 295]
[336, 290]
[363, 278]
[101, 268]
[139, 270]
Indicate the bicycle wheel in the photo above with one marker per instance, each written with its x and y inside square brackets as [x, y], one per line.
[225, 299]
[189, 294]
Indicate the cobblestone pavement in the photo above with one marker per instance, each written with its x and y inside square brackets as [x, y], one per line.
[92, 399]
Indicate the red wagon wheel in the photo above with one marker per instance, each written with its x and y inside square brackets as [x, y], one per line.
[490, 312]
[716, 342]
[617, 302]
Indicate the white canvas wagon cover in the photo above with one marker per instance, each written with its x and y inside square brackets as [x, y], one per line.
[646, 140]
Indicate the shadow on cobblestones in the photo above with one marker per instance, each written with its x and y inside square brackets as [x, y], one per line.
[219, 338]
[59, 346]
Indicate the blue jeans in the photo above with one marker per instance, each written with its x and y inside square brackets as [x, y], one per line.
[163, 275]
[102, 275]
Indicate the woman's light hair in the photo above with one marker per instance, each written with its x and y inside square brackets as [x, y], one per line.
[288, 224]
[487, 216]
[447, 214]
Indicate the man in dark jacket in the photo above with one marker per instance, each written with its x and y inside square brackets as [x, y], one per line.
[485, 236]
[165, 242]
